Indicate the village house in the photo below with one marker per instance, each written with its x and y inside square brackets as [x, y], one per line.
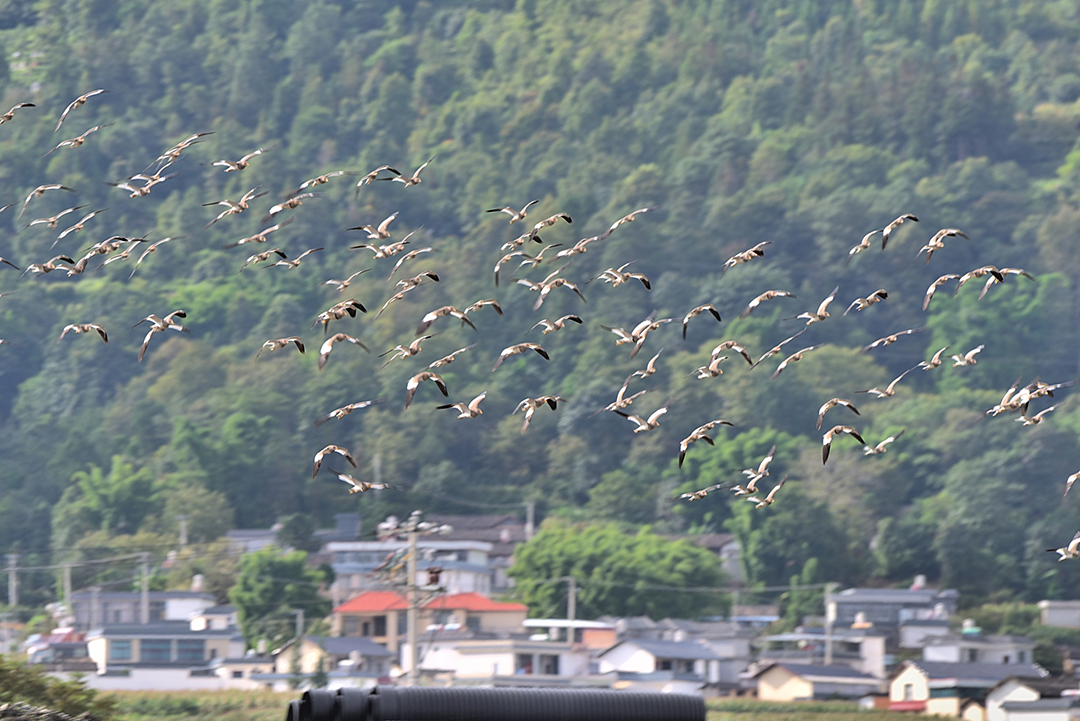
[1025, 689]
[783, 681]
[887, 609]
[670, 666]
[93, 608]
[948, 689]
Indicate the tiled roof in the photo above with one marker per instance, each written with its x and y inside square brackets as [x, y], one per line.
[970, 671]
[473, 602]
[687, 650]
[805, 670]
[344, 645]
[374, 602]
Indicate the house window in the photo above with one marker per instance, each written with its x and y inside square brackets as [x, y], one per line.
[237, 674]
[473, 623]
[549, 664]
[155, 650]
[380, 626]
[686, 666]
[365, 628]
[443, 617]
[1005, 658]
[117, 616]
[1020, 657]
[190, 650]
[157, 610]
[972, 655]
[909, 692]
[664, 664]
[402, 623]
[523, 663]
[350, 625]
[120, 651]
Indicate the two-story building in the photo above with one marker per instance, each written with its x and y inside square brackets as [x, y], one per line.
[463, 566]
[977, 648]
[887, 609]
[94, 608]
[948, 689]
[667, 666]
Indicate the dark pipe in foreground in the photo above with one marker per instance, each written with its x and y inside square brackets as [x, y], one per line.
[389, 703]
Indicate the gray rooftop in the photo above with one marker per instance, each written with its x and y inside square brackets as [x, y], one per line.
[686, 650]
[948, 639]
[135, 595]
[801, 669]
[976, 671]
[160, 628]
[893, 595]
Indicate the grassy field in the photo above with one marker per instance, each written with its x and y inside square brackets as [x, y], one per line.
[201, 705]
[753, 710]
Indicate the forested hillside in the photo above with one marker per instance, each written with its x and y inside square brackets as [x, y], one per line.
[807, 123]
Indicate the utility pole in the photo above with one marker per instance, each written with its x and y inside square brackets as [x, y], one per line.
[144, 602]
[830, 619]
[13, 579]
[530, 519]
[182, 520]
[413, 614]
[67, 590]
[299, 623]
[95, 606]
[413, 528]
[571, 598]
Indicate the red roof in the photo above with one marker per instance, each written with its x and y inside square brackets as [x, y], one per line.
[473, 602]
[374, 602]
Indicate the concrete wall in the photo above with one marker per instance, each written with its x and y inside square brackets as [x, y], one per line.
[156, 679]
[779, 684]
[627, 657]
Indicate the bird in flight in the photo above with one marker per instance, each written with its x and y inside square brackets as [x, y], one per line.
[76, 141]
[881, 447]
[410, 181]
[10, 115]
[515, 215]
[860, 303]
[767, 295]
[833, 403]
[529, 405]
[41, 190]
[701, 433]
[160, 325]
[84, 328]
[769, 499]
[796, 356]
[231, 165]
[466, 410]
[74, 104]
[328, 345]
[695, 312]
[448, 359]
[890, 339]
[416, 380]
[890, 390]
[550, 326]
[331, 449]
[279, 343]
[968, 359]
[888, 231]
[821, 313]
[747, 255]
[646, 424]
[1072, 550]
[827, 439]
[359, 486]
[517, 349]
[699, 495]
[339, 413]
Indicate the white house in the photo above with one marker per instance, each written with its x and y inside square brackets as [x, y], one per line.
[976, 648]
[860, 649]
[947, 688]
[462, 656]
[799, 682]
[1027, 688]
[1062, 614]
[1065, 708]
[94, 608]
[691, 661]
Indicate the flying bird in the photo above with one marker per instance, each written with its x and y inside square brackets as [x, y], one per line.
[280, 343]
[934, 286]
[756, 474]
[833, 403]
[416, 380]
[646, 424]
[827, 439]
[767, 295]
[265, 256]
[74, 104]
[517, 349]
[712, 369]
[747, 255]
[618, 276]
[232, 207]
[968, 359]
[986, 270]
[695, 312]
[404, 351]
[933, 362]
[938, 241]
[769, 499]
[494, 304]
[820, 314]
[446, 310]
[160, 325]
[529, 405]
[295, 262]
[864, 244]
[339, 311]
[466, 410]
[550, 326]
[448, 359]
[52, 221]
[735, 346]
[991, 280]
[890, 339]
[701, 433]
[339, 284]
[84, 328]
[881, 447]
[1070, 551]
[412, 254]
[359, 486]
[1035, 419]
[777, 348]
[259, 237]
[515, 215]
[368, 178]
[890, 390]
[888, 231]
[410, 181]
[10, 115]
[339, 413]
[329, 450]
[699, 495]
[320, 180]
[243, 162]
[860, 303]
[621, 399]
[1069, 483]
[796, 356]
[547, 223]
[41, 190]
[76, 141]
[380, 232]
[629, 218]
[328, 345]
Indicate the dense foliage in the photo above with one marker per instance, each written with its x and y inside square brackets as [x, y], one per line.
[270, 589]
[803, 122]
[22, 683]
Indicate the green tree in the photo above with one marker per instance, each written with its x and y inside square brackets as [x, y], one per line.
[617, 573]
[20, 682]
[271, 586]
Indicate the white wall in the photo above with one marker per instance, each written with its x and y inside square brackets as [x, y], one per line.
[155, 679]
[627, 657]
[182, 609]
[1011, 690]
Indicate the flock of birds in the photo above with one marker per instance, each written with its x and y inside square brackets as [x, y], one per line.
[380, 242]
